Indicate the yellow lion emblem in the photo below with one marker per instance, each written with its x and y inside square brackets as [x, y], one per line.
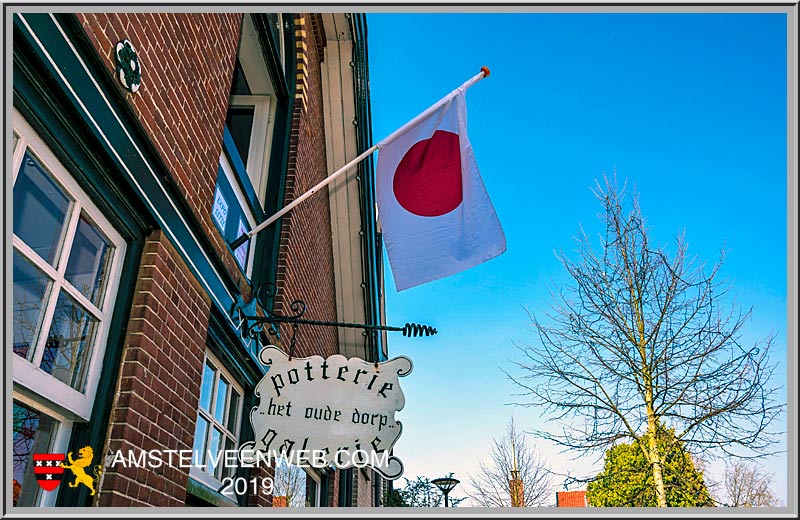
[77, 467]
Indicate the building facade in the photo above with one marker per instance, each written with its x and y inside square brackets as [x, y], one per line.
[571, 498]
[143, 145]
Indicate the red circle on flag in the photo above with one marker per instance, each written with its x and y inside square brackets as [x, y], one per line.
[427, 182]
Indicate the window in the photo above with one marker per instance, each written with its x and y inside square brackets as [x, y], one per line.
[66, 262]
[34, 431]
[251, 108]
[231, 214]
[249, 126]
[247, 120]
[346, 487]
[218, 422]
[312, 498]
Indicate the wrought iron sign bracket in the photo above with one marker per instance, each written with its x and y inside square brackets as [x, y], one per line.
[254, 326]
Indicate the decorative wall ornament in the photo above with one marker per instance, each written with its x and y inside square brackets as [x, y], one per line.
[128, 69]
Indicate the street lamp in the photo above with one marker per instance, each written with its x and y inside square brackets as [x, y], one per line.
[445, 485]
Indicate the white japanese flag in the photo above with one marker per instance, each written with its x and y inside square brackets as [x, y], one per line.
[435, 214]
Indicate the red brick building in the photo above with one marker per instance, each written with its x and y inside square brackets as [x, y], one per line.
[143, 145]
[571, 498]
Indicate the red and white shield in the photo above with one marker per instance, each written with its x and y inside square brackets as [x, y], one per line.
[48, 469]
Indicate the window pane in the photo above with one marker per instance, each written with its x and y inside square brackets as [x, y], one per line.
[233, 412]
[40, 209]
[30, 288]
[311, 492]
[240, 125]
[239, 85]
[219, 404]
[69, 343]
[230, 217]
[205, 390]
[89, 261]
[242, 251]
[199, 448]
[230, 447]
[212, 459]
[33, 433]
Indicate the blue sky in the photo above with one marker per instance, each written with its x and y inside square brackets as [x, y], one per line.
[689, 108]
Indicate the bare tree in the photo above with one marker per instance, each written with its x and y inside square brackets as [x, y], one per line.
[511, 457]
[748, 485]
[421, 492]
[640, 338]
[289, 482]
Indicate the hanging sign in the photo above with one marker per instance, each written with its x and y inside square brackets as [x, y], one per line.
[328, 412]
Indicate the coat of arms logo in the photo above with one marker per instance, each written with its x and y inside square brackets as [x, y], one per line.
[48, 469]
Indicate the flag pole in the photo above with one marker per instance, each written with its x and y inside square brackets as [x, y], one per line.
[477, 77]
[341, 171]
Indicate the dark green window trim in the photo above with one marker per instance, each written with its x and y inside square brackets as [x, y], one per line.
[265, 266]
[222, 341]
[50, 114]
[242, 368]
[94, 432]
[282, 78]
[324, 488]
[346, 487]
[39, 40]
[47, 110]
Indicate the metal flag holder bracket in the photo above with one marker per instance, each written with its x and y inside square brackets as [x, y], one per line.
[253, 326]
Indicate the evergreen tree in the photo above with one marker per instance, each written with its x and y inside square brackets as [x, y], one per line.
[627, 480]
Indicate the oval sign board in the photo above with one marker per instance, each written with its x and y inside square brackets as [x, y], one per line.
[324, 412]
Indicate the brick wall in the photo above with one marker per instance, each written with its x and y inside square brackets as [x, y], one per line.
[305, 262]
[187, 64]
[366, 488]
[262, 471]
[181, 105]
[571, 498]
[362, 487]
[333, 489]
[155, 404]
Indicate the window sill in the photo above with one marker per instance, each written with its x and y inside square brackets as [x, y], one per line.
[68, 401]
[201, 489]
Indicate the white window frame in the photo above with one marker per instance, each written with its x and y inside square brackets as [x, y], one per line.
[262, 96]
[258, 152]
[196, 472]
[78, 405]
[60, 439]
[242, 201]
